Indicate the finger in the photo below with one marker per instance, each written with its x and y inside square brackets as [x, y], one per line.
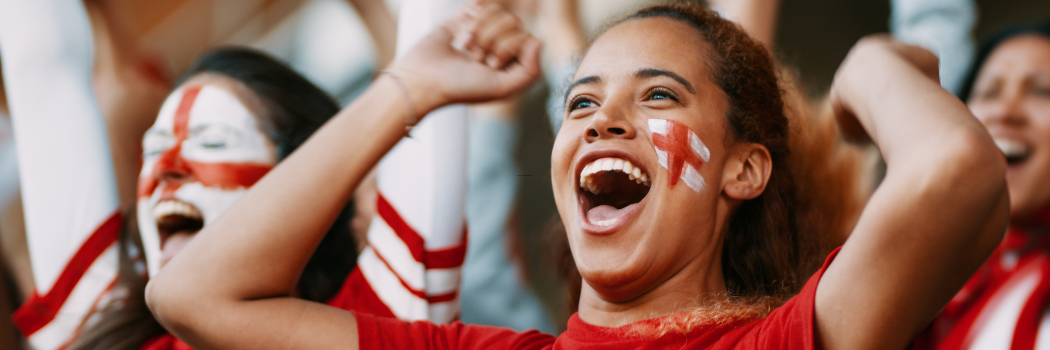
[462, 30]
[491, 28]
[526, 68]
[506, 48]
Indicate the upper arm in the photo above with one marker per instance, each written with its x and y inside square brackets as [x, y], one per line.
[923, 233]
[65, 165]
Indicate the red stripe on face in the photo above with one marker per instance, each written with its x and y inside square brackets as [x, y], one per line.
[679, 152]
[170, 161]
[228, 176]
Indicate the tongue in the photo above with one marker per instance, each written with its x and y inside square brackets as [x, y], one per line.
[173, 244]
[607, 212]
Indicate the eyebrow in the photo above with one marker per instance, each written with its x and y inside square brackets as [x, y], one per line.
[652, 73]
[585, 80]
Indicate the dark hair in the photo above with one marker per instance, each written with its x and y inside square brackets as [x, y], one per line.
[993, 42]
[295, 108]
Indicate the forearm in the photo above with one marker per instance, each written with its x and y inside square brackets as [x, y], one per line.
[907, 115]
[258, 247]
[934, 219]
[381, 27]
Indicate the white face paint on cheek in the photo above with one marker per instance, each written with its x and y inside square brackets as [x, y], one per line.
[221, 133]
[149, 234]
[679, 151]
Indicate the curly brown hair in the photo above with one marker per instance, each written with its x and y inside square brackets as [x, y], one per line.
[775, 241]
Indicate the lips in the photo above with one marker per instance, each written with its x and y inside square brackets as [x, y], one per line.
[1016, 151]
[174, 216]
[612, 188]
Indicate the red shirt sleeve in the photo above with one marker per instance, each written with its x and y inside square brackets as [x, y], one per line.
[790, 326]
[382, 333]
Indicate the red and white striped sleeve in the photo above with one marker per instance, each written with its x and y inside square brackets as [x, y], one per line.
[69, 195]
[417, 239]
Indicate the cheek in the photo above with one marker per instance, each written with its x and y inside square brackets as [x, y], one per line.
[228, 176]
[210, 201]
[561, 160]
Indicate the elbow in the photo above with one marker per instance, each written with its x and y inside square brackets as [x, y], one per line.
[980, 166]
[160, 299]
[977, 182]
[170, 304]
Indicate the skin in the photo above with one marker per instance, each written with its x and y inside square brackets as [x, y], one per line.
[235, 135]
[942, 206]
[660, 258]
[1011, 97]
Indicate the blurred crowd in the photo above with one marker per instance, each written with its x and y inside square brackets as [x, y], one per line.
[76, 254]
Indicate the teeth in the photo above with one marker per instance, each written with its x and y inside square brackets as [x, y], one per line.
[1011, 148]
[175, 207]
[610, 164]
[604, 222]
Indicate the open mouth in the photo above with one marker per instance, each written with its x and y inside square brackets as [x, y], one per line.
[175, 217]
[610, 191]
[1016, 152]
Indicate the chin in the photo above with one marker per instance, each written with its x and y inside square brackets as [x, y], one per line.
[177, 216]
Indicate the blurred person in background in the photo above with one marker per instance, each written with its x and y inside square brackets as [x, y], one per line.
[1004, 305]
[8, 289]
[719, 277]
[234, 115]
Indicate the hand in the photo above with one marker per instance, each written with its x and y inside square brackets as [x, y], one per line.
[876, 61]
[481, 54]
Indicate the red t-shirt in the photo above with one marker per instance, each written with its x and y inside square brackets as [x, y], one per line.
[790, 326]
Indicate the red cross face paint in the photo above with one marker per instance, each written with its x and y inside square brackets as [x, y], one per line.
[200, 156]
[680, 151]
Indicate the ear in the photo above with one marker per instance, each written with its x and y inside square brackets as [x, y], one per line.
[748, 172]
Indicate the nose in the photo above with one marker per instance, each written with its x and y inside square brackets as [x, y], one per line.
[171, 167]
[1007, 111]
[610, 122]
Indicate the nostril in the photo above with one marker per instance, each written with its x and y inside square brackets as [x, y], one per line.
[617, 131]
[592, 132]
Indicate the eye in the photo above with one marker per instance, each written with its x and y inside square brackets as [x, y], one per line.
[213, 144]
[1041, 91]
[662, 94]
[986, 94]
[155, 143]
[214, 137]
[579, 102]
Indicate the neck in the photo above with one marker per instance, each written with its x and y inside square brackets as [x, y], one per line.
[689, 288]
[1037, 223]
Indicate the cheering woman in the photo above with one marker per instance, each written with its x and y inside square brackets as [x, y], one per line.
[668, 173]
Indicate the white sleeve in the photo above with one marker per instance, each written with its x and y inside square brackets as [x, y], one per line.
[417, 239]
[942, 26]
[68, 192]
[65, 165]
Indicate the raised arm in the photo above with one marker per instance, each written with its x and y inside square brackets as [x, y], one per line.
[230, 286]
[758, 17]
[938, 214]
[69, 195]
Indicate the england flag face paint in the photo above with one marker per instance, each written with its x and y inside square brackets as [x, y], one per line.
[201, 155]
[679, 151]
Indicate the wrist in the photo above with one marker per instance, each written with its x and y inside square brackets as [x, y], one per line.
[420, 97]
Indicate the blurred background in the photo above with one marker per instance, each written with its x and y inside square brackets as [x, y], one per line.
[146, 45]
